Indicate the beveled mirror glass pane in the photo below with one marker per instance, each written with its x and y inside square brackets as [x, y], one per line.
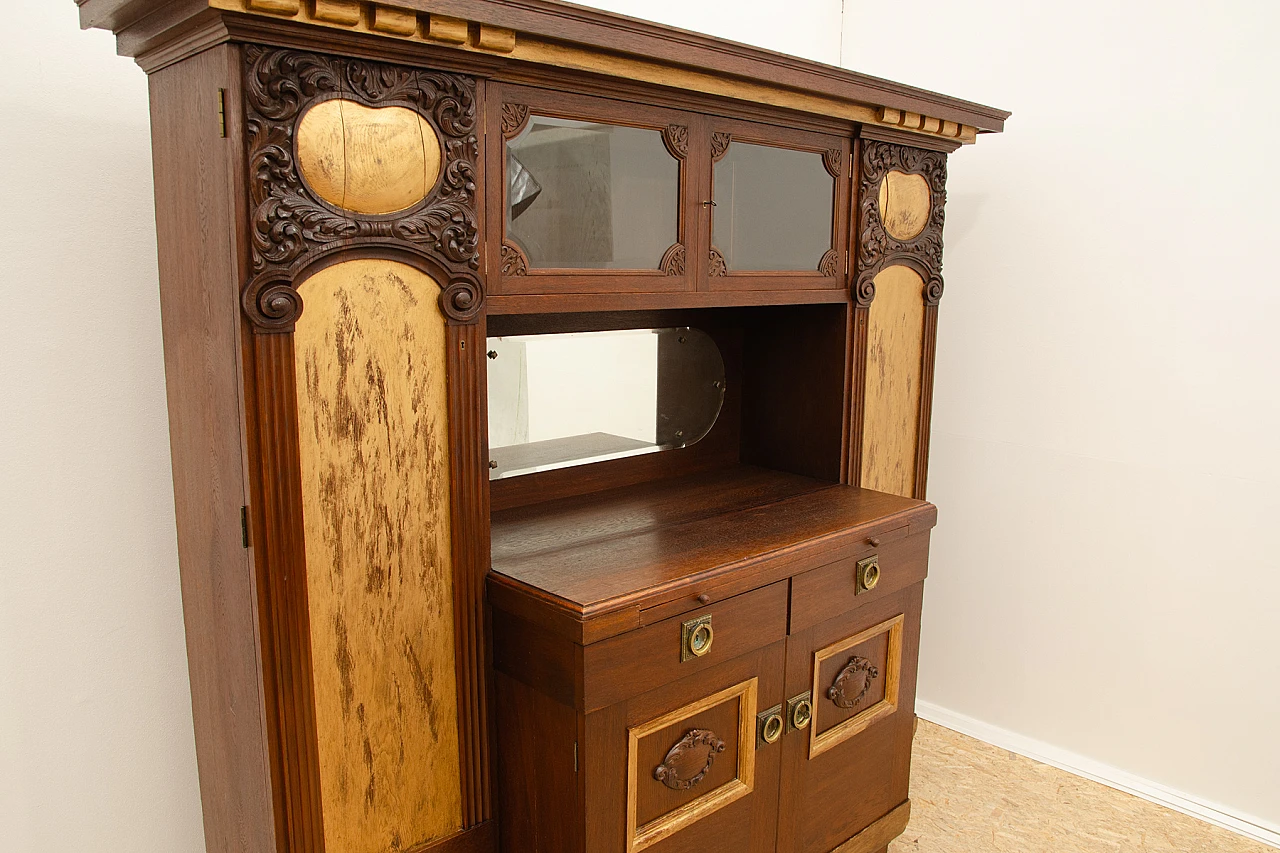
[773, 208]
[583, 195]
[561, 400]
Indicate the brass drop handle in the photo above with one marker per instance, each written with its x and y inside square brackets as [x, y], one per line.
[696, 637]
[799, 712]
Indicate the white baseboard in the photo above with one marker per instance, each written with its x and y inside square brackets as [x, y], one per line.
[1112, 777]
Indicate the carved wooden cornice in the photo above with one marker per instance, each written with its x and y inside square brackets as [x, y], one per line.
[291, 226]
[877, 248]
[546, 33]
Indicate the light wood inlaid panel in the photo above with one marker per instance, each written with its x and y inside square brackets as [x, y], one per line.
[664, 815]
[905, 202]
[895, 337]
[887, 656]
[372, 410]
[371, 161]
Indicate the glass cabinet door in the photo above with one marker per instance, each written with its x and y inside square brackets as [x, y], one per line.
[592, 195]
[779, 208]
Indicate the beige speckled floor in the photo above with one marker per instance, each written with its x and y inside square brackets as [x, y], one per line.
[969, 796]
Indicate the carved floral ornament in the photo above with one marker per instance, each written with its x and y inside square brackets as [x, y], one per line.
[877, 248]
[292, 226]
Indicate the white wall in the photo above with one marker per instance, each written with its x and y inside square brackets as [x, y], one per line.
[1103, 578]
[96, 743]
[1105, 574]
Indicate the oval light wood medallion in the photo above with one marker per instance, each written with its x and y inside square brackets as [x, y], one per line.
[371, 161]
[373, 436]
[905, 204]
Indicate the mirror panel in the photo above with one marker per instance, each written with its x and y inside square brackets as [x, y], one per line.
[570, 399]
[773, 208]
[585, 195]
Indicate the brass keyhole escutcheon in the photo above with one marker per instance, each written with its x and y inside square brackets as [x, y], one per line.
[696, 638]
[800, 712]
[868, 574]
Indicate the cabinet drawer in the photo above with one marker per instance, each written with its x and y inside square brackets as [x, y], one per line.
[633, 663]
[826, 592]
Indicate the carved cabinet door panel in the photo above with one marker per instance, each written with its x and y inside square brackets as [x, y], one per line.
[684, 767]
[847, 754]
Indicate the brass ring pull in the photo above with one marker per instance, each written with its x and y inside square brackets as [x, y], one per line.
[772, 728]
[868, 575]
[696, 637]
[801, 714]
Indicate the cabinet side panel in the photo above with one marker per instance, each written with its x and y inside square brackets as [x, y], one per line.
[373, 440]
[196, 171]
[894, 364]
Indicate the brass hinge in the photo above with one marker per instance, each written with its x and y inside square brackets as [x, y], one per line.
[244, 526]
[222, 113]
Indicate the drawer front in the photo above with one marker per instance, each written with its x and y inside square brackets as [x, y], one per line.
[641, 660]
[877, 573]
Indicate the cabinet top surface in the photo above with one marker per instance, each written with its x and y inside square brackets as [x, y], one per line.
[648, 544]
[499, 36]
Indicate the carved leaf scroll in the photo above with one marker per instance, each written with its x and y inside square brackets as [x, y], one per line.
[514, 118]
[719, 145]
[291, 225]
[877, 249]
[676, 138]
[853, 682]
[690, 760]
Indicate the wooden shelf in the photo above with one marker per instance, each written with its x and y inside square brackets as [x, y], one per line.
[604, 559]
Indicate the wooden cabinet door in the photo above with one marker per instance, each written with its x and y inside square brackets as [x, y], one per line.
[683, 768]
[848, 766]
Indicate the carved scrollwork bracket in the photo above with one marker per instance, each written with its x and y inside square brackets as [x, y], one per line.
[514, 119]
[877, 248]
[853, 683]
[291, 226]
[672, 262]
[690, 760]
[676, 138]
[719, 145]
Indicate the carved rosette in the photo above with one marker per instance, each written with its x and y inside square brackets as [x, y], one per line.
[717, 265]
[672, 262]
[853, 682]
[676, 138]
[877, 249]
[292, 226]
[514, 118]
[719, 145]
[690, 760]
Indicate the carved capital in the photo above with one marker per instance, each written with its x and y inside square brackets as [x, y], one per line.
[690, 760]
[514, 118]
[717, 265]
[831, 159]
[676, 138]
[877, 248]
[514, 262]
[719, 145]
[672, 262]
[291, 225]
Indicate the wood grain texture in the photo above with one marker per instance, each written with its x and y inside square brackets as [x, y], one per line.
[373, 438]
[196, 174]
[905, 202]
[892, 408]
[875, 837]
[372, 161]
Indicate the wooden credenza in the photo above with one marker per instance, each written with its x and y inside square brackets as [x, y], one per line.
[416, 623]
